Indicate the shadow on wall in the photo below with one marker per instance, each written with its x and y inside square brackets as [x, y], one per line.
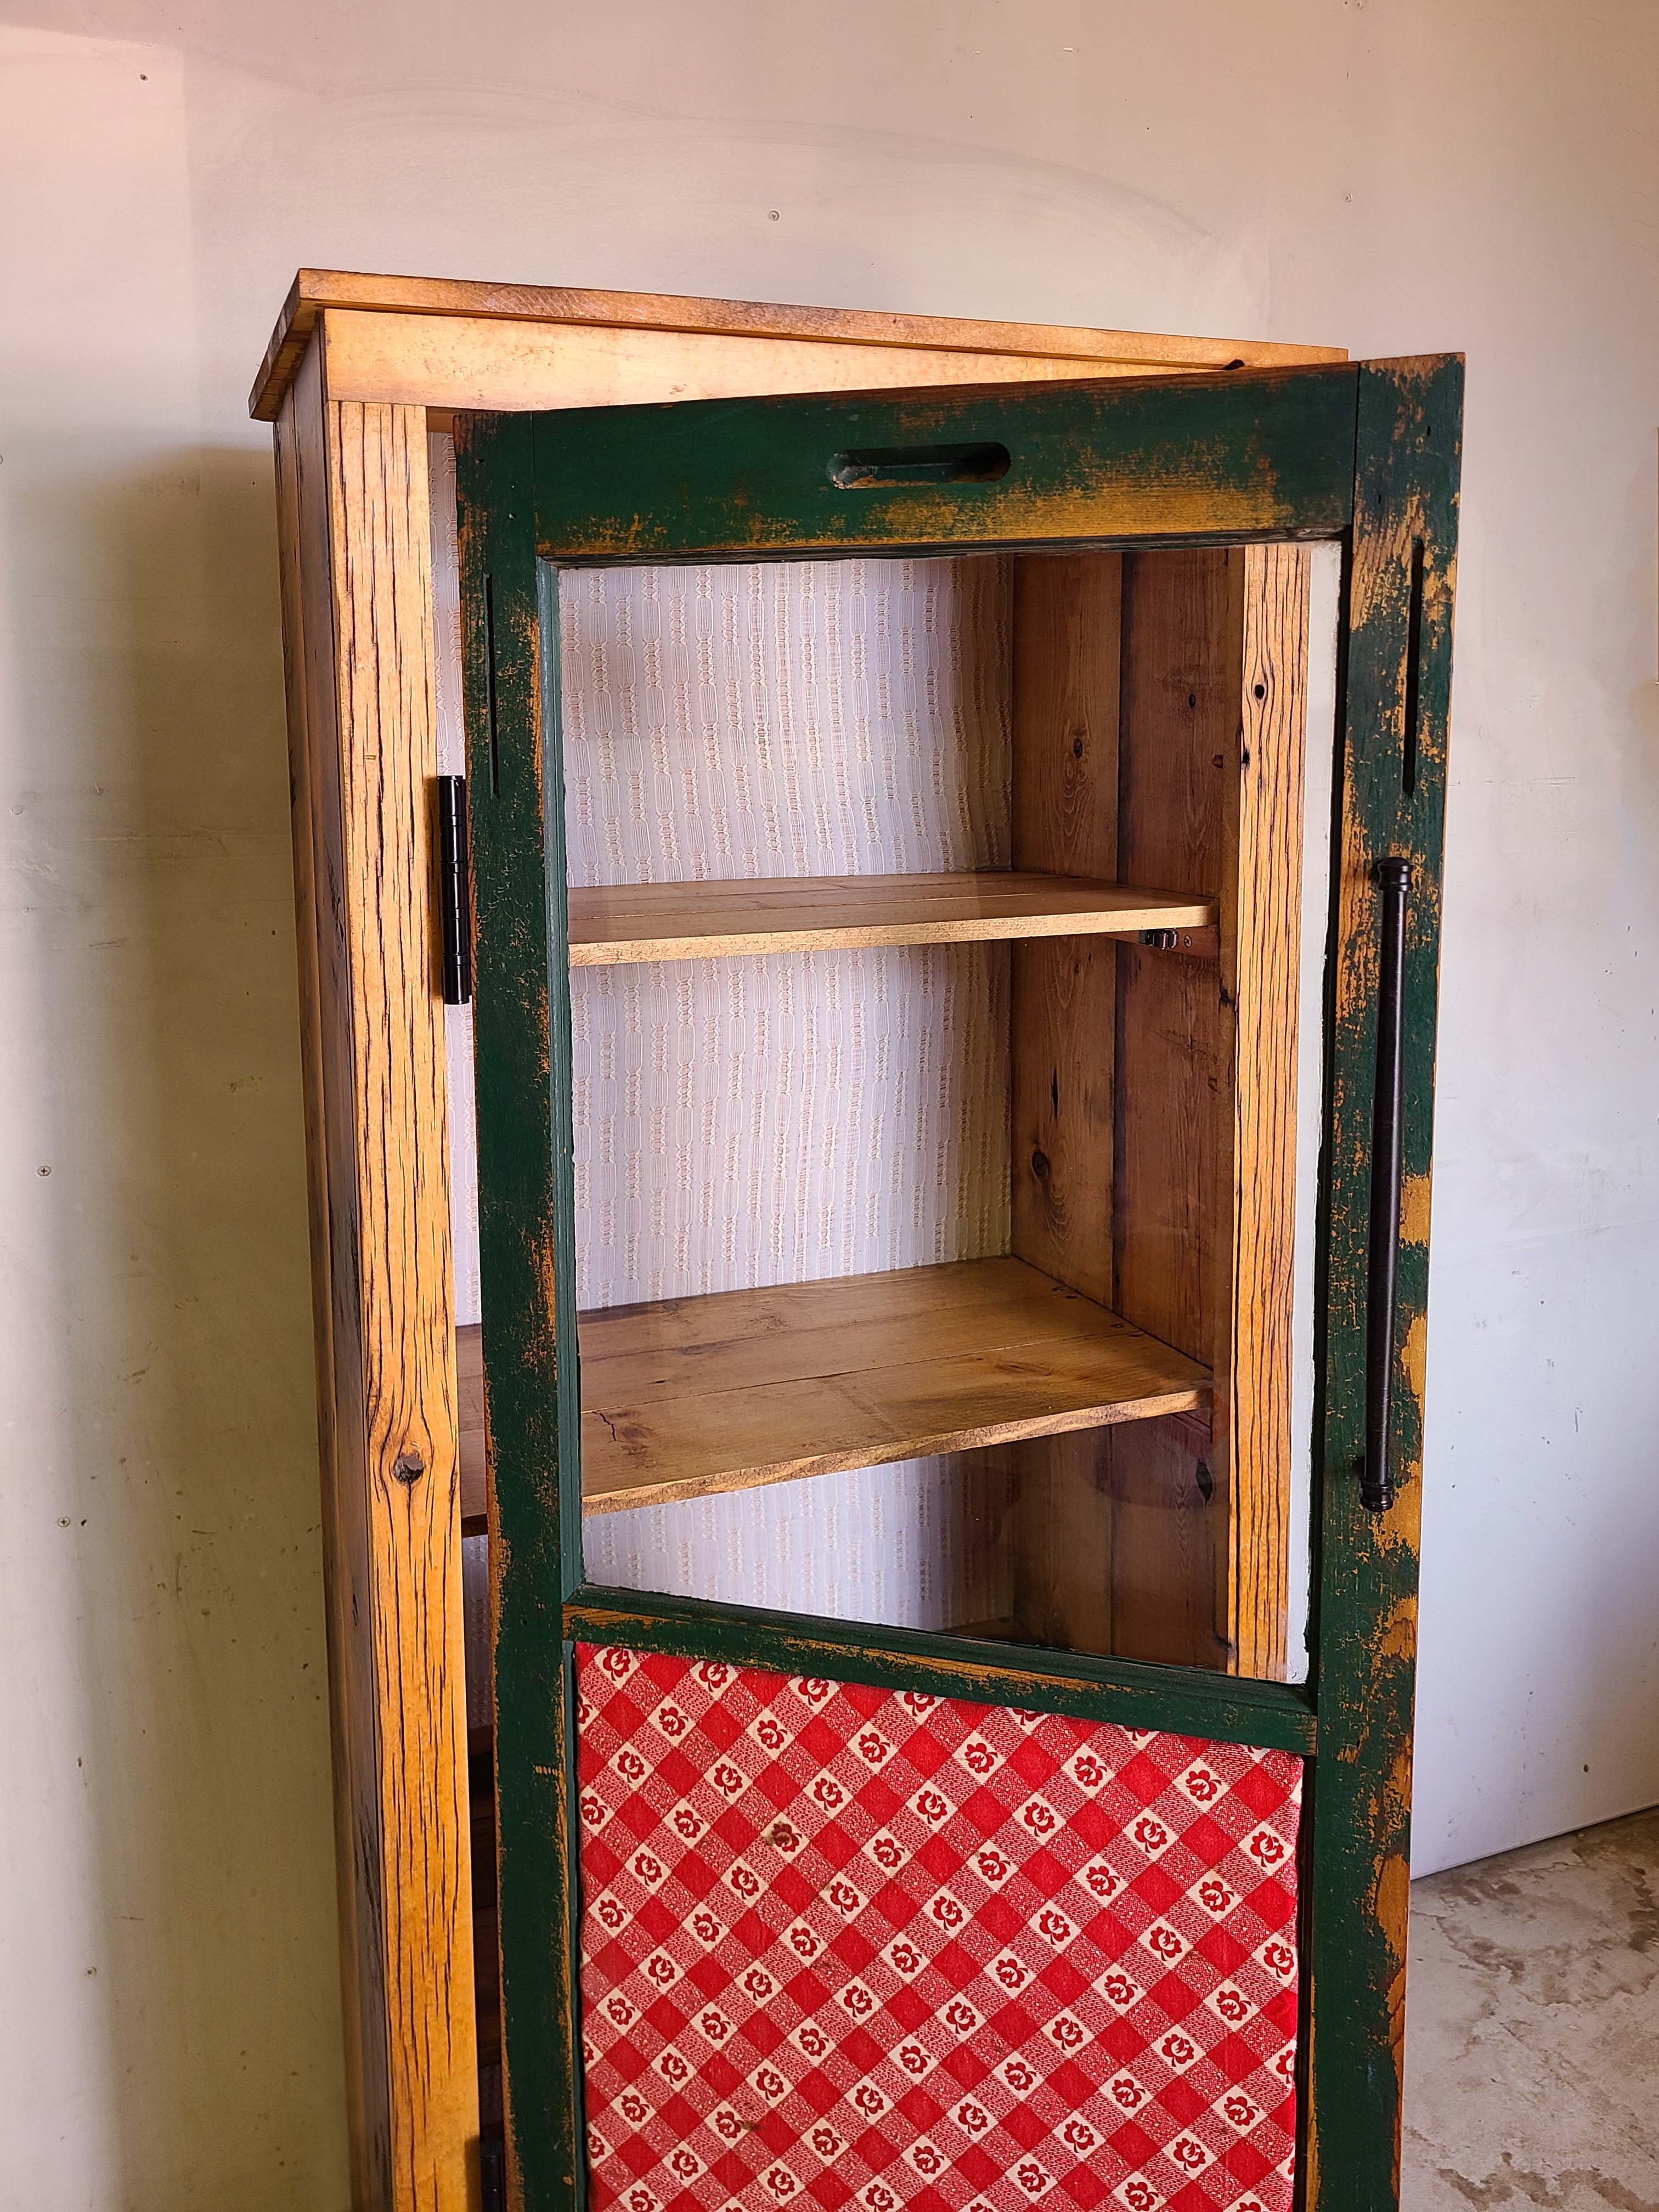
[184, 1415]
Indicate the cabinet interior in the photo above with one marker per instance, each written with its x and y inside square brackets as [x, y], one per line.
[1057, 1345]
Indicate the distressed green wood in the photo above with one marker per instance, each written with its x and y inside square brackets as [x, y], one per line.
[654, 482]
[1185, 1700]
[1260, 453]
[522, 1047]
[1409, 427]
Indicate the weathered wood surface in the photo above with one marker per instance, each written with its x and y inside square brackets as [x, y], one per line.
[308, 664]
[356, 545]
[1066, 618]
[451, 365]
[624, 923]
[318, 293]
[329, 942]
[1264, 453]
[1182, 628]
[522, 1073]
[1067, 622]
[752, 1387]
[1261, 983]
[1392, 802]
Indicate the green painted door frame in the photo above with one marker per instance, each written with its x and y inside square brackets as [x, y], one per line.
[1366, 454]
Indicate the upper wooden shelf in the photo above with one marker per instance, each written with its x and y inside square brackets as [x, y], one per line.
[745, 1388]
[693, 921]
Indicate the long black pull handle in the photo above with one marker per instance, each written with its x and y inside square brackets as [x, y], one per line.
[455, 890]
[1393, 877]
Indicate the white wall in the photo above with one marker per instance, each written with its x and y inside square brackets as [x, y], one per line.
[1405, 174]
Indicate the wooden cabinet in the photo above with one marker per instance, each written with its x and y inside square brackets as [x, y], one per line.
[926, 1319]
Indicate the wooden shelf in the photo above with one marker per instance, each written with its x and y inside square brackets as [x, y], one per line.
[697, 920]
[696, 1395]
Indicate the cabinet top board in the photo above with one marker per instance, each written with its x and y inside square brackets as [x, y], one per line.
[314, 292]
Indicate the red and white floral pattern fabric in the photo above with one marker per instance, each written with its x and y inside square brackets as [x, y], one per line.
[854, 1947]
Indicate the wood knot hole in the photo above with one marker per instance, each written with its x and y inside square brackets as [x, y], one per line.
[1260, 691]
[408, 1467]
[1040, 1166]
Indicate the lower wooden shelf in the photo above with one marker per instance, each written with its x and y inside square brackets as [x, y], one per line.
[695, 1395]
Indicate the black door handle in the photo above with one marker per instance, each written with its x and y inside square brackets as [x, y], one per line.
[1394, 877]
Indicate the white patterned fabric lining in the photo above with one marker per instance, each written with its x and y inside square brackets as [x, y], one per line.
[746, 1123]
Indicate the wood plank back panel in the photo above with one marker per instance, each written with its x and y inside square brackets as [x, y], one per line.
[1066, 645]
[1182, 618]
[352, 490]
[1067, 638]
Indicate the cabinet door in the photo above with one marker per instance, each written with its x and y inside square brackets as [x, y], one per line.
[920, 1778]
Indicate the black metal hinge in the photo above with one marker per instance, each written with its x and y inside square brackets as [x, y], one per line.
[455, 890]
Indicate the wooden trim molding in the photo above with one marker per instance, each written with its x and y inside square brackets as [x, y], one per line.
[492, 310]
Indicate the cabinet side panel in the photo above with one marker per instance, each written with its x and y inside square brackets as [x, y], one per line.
[393, 1332]
[313, 784]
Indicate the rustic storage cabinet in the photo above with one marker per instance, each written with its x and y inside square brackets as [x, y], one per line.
[930, 766]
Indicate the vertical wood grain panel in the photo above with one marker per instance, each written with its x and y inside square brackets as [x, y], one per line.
[314, 779]
[1178, 737]
[352, 501]
[1066, 640]
[1261, 953]
[381, 545]
[1067, 636]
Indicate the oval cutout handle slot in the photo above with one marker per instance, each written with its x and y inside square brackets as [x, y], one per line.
[881, 468]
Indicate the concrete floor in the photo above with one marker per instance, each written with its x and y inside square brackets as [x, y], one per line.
[1532, 2043]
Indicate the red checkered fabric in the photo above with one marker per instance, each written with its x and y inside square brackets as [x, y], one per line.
[858, 1946]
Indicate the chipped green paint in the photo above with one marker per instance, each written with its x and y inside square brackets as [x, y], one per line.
[1259, 453]
[1297, 454]
[522, 1059]
[1391, 799]
[1184, 1699]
